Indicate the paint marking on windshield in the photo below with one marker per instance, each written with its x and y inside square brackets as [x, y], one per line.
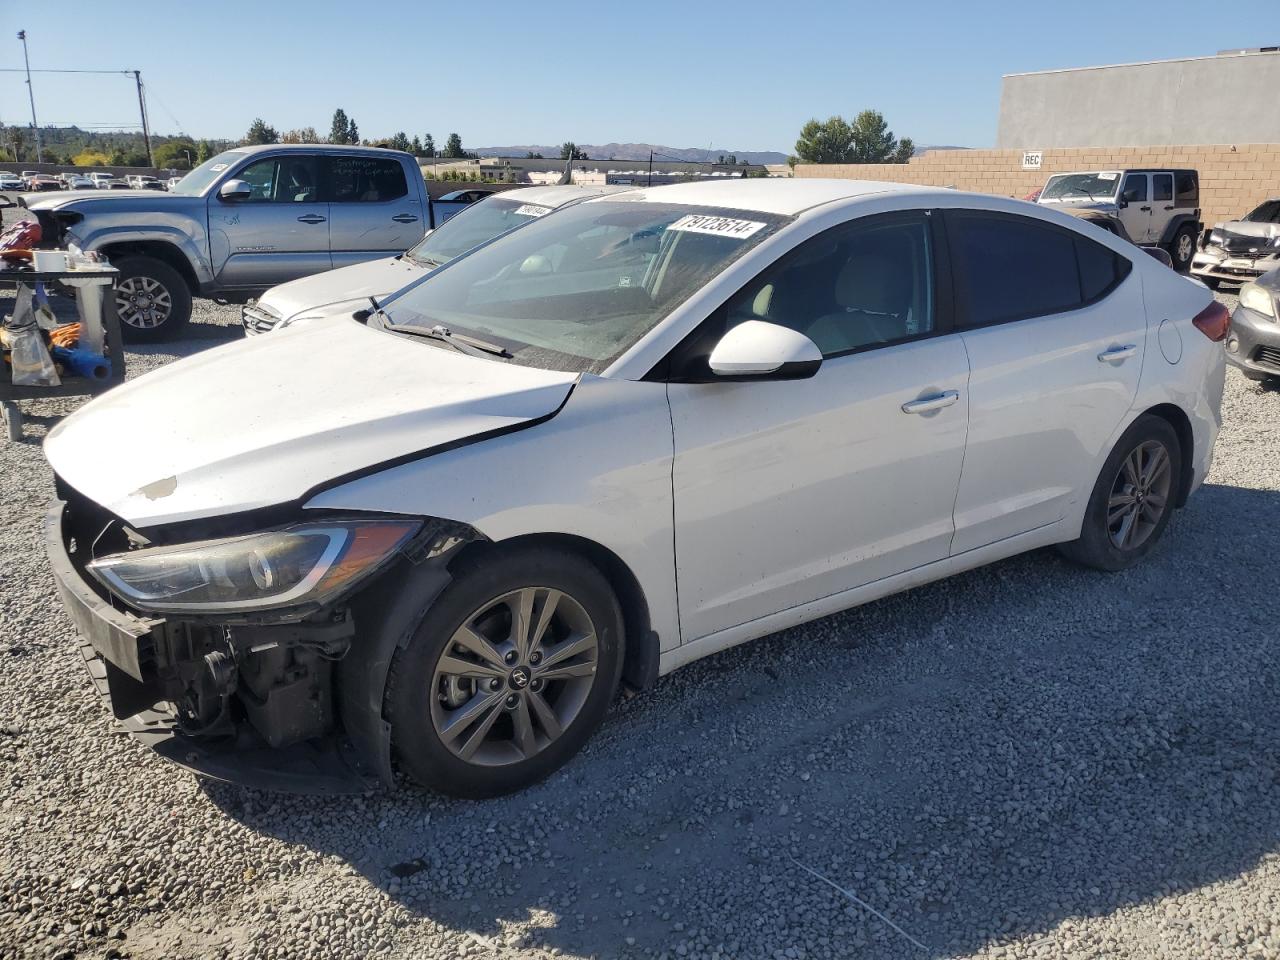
[717, 226]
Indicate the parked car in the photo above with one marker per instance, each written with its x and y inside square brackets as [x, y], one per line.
[244, 221]
[1253, 345]
[349, 288]
[466, 196]
[100, 178]
[43, 182]
[75, 181]
[1243, 249]
[622, 437]
[1157, 207]
[27, 175]
[11, 181]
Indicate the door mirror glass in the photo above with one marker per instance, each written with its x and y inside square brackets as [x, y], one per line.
[235, 190]
[758, 350]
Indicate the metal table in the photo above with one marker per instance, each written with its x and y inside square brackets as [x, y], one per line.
[92, 287]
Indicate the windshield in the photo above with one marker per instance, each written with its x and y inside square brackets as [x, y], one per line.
[472, 227]
[1073, 186]
[201, 178]
[575, 291]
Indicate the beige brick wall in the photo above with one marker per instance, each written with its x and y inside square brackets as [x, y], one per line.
[1233, 178]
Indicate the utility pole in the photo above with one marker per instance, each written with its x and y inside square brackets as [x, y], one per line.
[650, 169]
[142, 108]
[35, 127]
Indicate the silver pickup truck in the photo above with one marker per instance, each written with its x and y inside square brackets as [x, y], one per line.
[241, 222]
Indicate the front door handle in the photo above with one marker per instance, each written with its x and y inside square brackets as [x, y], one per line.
[929, 404]
[405, 218]
[1148, 209]
[1117, 354]
[312, 218]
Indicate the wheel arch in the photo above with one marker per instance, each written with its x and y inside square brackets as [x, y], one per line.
[161, 250]
[641, 652]
[1177, 418]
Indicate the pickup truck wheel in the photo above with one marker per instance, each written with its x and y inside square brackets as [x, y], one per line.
[152, 300]
[1182, 248]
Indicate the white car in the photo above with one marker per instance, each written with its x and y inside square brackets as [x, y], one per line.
[100, 178]
[349, 288]
[11, 181]
[76, 181]
[438, 535]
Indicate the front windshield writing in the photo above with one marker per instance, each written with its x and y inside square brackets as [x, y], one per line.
[576, 289]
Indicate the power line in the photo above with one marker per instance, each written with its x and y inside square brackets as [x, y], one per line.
[126, 73]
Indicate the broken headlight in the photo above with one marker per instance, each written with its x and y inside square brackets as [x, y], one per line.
[304, 565]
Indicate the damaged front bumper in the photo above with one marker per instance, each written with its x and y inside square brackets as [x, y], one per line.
[1217, 264]
[294, 707]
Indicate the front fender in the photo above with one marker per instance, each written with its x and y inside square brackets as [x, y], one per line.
[192, 242]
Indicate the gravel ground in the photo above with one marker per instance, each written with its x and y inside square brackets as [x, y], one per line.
[1029, 760]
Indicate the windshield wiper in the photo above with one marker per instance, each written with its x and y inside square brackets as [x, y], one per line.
[460, 342]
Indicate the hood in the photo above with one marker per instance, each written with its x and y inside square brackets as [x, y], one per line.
[1248, 228]
[1083, 204]
[264, 421]
[356, 283]
[54, 199]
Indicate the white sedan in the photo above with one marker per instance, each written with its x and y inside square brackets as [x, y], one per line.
[438, 535]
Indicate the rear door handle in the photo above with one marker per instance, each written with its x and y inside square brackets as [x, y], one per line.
[1116, 354]
[929, 404]
[405, 218]
[312, 218]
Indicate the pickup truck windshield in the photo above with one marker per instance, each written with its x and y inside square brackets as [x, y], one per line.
[473, 226]
[574, 291]
[202, 177]
[1074, 186]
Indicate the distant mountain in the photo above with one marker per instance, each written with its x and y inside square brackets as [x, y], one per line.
[636, 151]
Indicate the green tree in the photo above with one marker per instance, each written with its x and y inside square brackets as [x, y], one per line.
[534, 156]
[415, 146]
[453, 148]
[340, 128]
[399, 141]
[867, 140]
[353, 132]
[300, 135]
[569, 151]
[260, 132]
[174, 153]
[428, 146]
[204, 150]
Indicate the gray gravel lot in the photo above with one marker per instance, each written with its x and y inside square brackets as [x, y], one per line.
[1029, 760]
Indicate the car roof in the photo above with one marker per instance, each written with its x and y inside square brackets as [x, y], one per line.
[781, 195]
[316, 148]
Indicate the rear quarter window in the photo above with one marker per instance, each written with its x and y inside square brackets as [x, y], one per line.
[1186, 187]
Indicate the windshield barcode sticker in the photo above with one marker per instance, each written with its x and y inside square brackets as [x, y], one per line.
[1108, 176]
[531, 210]
[717, 226]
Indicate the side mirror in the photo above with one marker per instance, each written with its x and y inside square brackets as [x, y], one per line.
[757, 350]
[235, 190]
[1122, 203]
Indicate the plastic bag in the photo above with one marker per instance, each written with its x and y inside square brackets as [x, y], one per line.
[28, 356]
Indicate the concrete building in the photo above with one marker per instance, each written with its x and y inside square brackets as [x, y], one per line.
[1225, 99]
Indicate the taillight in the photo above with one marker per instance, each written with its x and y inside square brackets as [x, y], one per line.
[1213, 321]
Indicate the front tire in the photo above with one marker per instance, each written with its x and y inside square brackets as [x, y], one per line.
[152, 300]
[1132, 499]
[510, 671]
[1182, 248]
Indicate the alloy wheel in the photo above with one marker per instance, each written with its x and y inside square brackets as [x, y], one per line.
[514, 676]
[1185, 248]
[1139, 495]
[143, 302]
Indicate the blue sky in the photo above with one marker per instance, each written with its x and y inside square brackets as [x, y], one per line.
[733, 75]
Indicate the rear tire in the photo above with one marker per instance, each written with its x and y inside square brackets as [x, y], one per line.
[1211, 282]
[464, 672]
[1132, 499]
[152, 299]
[1182, 248]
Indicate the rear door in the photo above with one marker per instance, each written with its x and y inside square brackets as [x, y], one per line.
[279, 233]
[1135, 211]
[1162, 205]
[374, 212]
[1054, 325]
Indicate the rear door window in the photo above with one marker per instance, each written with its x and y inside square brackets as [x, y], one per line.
[1162, 187]
[1187, 188]
[1012, 268]
[363, 179]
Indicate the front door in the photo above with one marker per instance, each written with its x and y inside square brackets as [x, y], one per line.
[790, 491]
[373, 213]
[1135, 210]
[1054, 325]
[279, 233]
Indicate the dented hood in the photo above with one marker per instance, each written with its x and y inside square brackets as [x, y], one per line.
[264, 421]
